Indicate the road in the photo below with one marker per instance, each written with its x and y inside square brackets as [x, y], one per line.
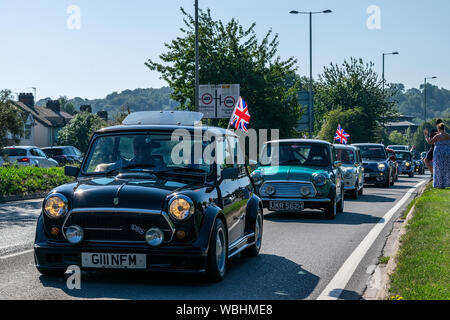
[301, 256]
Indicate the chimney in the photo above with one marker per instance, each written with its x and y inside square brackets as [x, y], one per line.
[103, 115]
[54, 105]
[27, 99]
[86, 108]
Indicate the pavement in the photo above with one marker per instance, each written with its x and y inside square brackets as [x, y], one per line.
[303, 256]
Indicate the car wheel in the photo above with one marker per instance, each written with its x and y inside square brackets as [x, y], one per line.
[355, 193]
[392, 181]
[340, 207]
[330, 209]
[253, 250]
[387, 184]
[411, 175]
[218, 252]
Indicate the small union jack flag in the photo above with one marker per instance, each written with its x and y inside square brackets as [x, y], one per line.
[240, 117]
[341, 135]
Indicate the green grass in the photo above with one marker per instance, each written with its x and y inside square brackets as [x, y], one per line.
[20, 181]
[423, 266]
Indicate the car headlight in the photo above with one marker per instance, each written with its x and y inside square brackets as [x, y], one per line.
[270, 189]
[181, 207]
[320, 180]
[257, 177]
[348, 174]
[408, 164]
[56, 205]
[381, 166]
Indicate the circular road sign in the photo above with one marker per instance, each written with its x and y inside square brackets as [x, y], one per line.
[229, 102]
[207, 98]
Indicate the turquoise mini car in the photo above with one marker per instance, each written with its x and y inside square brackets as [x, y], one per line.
[297, 174]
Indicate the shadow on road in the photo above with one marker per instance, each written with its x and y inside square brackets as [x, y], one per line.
[349, 218]
[264, 277]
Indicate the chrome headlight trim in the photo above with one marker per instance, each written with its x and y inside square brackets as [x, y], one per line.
[65, 209]
[257, 177]
[320, 179]
[187, 213]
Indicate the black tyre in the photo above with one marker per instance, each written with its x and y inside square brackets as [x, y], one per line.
[355, 193]
[330, 209]
[387, 184]
[218, 253]
[411, 175]
[340, 205]
[253, 250]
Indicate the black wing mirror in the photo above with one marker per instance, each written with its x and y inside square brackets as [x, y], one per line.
[71, 171]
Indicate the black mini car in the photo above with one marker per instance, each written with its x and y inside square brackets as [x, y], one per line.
[137, 203]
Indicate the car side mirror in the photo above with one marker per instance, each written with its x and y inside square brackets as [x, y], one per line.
[71, 171]
[229, 173]
[338, 164]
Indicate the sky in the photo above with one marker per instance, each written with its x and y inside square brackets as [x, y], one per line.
[47, 45]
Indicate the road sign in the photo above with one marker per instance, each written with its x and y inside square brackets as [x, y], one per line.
[218, 101]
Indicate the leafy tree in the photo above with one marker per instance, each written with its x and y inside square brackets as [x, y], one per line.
[353, 85]
[11, 119]
[397, 138]
[230, 53]
[351, 120]
[79, 130]
[66, 105]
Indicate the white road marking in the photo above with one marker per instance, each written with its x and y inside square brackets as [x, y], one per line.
[16, 254]
[337, 285]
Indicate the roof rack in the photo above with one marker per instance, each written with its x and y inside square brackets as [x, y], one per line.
[185, 118]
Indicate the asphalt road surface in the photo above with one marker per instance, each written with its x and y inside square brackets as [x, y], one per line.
[303, 256]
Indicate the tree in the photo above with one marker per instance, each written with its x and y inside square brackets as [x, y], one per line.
[354, 85]
[352, 121]
[397, 138]
[66, 105]
[79, 130]
[229, 53]
[11, 119]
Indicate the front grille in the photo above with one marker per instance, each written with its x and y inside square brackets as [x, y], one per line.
[287, 189]
[118, 226]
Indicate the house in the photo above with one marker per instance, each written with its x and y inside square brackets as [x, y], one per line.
[42, 123]
[401, 124]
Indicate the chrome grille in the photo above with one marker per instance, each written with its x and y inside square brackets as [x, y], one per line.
[114, 225]
[289, 189]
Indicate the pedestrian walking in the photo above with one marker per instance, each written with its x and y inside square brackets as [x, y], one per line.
[441, 157]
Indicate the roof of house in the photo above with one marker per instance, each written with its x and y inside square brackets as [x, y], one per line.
[46, 116]
[401, 124]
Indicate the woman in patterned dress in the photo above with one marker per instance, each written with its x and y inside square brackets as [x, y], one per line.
[441, 157]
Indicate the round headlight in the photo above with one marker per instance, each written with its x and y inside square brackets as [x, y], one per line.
[348, 174]
[407, 164]
[181, 208]
[56, 205]
[257, 177]
[381, 166]
[154, 237]
[319, 180]
[74, 234]
[270, 190]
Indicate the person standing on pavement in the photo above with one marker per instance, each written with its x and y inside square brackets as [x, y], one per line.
[441, 157]
[429, 158]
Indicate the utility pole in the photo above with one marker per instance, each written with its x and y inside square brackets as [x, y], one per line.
[197, 84]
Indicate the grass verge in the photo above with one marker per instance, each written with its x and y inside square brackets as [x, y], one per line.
[423, 263]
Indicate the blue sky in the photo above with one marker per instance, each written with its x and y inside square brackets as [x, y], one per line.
[116, 37]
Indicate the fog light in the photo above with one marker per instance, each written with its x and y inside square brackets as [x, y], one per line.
[74, 234]
[54, 231]
[181, 234]
[270, 190]
[154, 237]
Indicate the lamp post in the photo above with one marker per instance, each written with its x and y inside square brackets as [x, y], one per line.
[425, 98]
[197, 84]
[310, 108]
[386, 54]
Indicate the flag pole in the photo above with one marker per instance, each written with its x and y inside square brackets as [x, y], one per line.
[234, 109]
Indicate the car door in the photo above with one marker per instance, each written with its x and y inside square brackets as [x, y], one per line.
[234, 198]
[337, 173]
[360, 169]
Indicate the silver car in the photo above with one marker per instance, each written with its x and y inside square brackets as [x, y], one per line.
[27, 156]
[352, 168]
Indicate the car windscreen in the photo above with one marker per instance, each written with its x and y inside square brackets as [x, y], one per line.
[403, 156]
[14, 152]
[346, 156]
[153, 151]
[373, 152]
[295, 154]
[53, 152]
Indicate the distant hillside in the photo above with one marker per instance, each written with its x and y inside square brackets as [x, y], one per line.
[136, 100]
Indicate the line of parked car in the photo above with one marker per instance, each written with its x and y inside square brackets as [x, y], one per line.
[40, 157]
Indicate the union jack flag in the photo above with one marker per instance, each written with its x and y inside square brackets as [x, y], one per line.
[341, 135]
[240, 117]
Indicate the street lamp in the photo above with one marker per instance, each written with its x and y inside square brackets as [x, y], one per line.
[425, 97]
[197, 84]
[386, 54]
[310, 13]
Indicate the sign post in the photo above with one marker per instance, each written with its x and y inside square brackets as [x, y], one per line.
[218, 101]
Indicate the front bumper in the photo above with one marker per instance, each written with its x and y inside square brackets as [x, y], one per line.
[406, 170]
[376, 177]
[59, 256]
[317, 203]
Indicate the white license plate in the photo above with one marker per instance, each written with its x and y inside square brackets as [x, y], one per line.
[113, 260]
[286, 205]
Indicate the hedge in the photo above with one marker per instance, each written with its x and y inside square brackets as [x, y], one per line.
[18, 181]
